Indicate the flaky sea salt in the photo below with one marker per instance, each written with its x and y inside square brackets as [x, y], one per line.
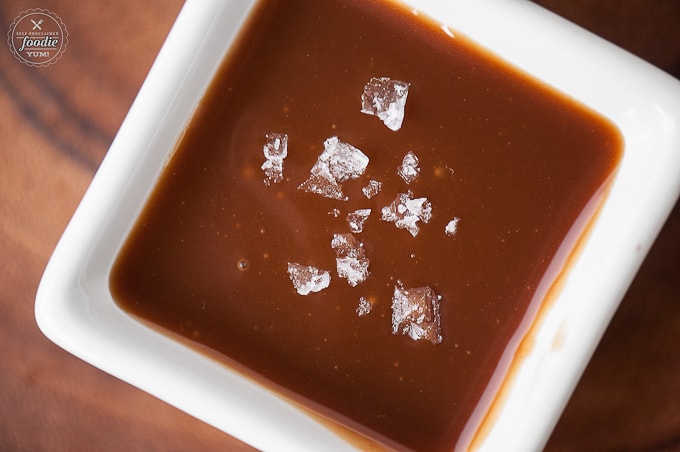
[351, 261]
[372, 189]
[307, 279]
[386, 99]
[356, 219]
[364, 307]
[274, 150]
[415, 313]
[452, 227]
[321, 182]
[409, 169]
[405, 212]
[338, 163]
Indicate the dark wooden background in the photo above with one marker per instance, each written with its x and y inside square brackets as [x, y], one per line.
[56, 124]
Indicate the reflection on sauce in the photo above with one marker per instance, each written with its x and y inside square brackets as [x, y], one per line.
[514, 162]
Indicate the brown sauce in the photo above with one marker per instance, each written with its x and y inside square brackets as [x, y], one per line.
[514, 160]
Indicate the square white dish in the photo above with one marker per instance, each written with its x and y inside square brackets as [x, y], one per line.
[74, 307]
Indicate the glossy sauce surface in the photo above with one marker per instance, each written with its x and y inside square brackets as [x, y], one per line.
[515, 161]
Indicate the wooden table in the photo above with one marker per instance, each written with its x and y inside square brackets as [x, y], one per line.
[56, 125]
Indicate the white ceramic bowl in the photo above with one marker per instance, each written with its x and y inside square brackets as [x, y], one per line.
[74, 307]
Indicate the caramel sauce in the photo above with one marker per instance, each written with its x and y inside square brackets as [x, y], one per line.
[516, 161]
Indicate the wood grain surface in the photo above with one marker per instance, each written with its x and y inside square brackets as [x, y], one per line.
[56, 124]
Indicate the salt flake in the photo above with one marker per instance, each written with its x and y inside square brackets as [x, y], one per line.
[364, 307]
[356, 219]
[372, 189]
[307, 279]
[351, 261]
[415, 313]
[274, 150]
[386, 99]
[452, 226]
[338, 163]
[409, 169]
[405, 212]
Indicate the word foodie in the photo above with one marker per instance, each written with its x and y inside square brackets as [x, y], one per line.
[46, 42]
